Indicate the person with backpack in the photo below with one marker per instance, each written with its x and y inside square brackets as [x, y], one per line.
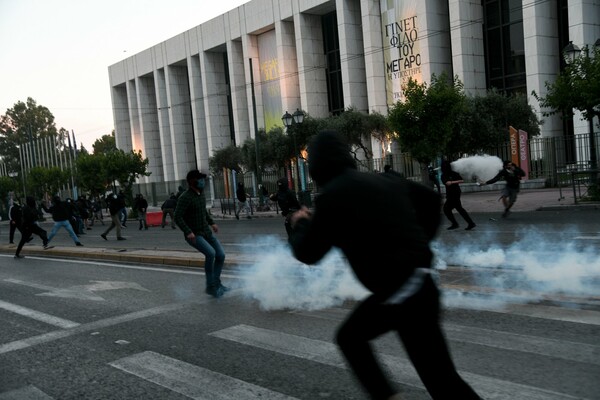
[168, 209]
[29, 226]
[242, 201]
[15, 218]
[389, 252]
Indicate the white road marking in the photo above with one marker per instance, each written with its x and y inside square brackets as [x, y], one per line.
[38, 316]
[96, 325]
[399, 367]
[192, 381]
[579, 352]
[25, 393]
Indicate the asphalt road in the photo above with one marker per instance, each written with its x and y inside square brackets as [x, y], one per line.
[523, 323]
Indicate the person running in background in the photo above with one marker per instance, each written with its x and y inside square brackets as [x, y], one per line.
[168, 208]
[287, 202]
[141, 205]
[29, 226]
[114, 207]
[15, 215]
[392, 258]
[242, 201]
[512, 175]
[198, 227]
[61, 214]
[452, 180]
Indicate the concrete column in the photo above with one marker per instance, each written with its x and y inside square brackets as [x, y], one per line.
[466, 32]
[215, 106]
[434, 27]
[181, 120]
[150, 133]
[250, 50]
[542, 56]
[164, 124]
[121, 117]
[311, 64]
[352, 54]
[238, 90]
[288, 67]
[198, 113]
[134, 117]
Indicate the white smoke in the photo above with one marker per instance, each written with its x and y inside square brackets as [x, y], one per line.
[278, 281]
[532, 269]
[483, 167]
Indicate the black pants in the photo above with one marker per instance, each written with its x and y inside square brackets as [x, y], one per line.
[11, 232]
[454, 203]
[417, 322]
[27, 232]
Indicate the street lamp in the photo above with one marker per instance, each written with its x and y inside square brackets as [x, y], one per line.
[572, 53]
[288, 121]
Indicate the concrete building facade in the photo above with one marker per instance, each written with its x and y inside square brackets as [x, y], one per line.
[197, 92]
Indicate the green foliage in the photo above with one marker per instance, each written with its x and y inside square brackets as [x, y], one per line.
[97, 172]
[43, 180]
[577, 87]
[485, 120]
[426, 122]
[21, 123]
[105, 144]
[229, 157]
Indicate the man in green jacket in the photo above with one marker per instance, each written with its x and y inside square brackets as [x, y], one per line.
[198, 226]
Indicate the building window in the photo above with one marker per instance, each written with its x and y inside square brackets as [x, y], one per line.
[504, 45]
[331, 44]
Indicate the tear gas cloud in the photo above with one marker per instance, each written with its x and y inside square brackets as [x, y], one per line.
[483, 167]
[532, 269]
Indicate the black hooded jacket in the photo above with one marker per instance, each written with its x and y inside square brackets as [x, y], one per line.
[285, 198]
[383, 243]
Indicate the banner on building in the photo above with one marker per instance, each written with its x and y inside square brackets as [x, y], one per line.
[524, 152]
[401, 44]
[269, 77]
[514, 145]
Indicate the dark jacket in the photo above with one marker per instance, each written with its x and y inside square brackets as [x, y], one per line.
[452, 191]
[285, 198]
[60, 210]
[30, 213]
[140, 204]
[171, 203]
[191, 214]
[241, 193]
[512, 178]
[382, 247]
[114, 205]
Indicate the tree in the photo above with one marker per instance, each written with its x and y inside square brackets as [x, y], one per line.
[125, 168]
[105, 144]
[576, 88]
[22, 123]
[47, 180]
[485, 121]
[427, 121]
[91, 176]
[229, 157]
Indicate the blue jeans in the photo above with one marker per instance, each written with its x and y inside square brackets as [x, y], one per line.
[63, 224]
[214, 258]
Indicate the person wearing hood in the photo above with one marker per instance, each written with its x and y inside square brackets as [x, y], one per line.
[15, 214]
[452, 180]
[192, 217]
[389, 252]
[61, 214]
[287, 202]
[29, 226]
[512, 175]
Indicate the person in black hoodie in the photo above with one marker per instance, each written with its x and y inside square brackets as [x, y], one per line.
[389, 253]
[61, 214]
[287, 202]
[452, 180]
[29, 226]
[512, 175]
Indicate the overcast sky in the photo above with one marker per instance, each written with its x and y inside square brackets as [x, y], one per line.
[58, 51]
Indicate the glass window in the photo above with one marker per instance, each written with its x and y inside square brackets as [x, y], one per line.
[514, 46]
[512, 11]
[492, 14]
[495, 53]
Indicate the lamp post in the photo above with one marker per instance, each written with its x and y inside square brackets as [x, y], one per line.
[572, 53]
[288, 121]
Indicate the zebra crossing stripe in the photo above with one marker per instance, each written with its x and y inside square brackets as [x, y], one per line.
[25, 393]
[574, 351]
[38, 316]
[399, 367]
[192, 381]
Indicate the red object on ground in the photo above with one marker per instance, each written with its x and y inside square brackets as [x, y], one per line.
[154, 218]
